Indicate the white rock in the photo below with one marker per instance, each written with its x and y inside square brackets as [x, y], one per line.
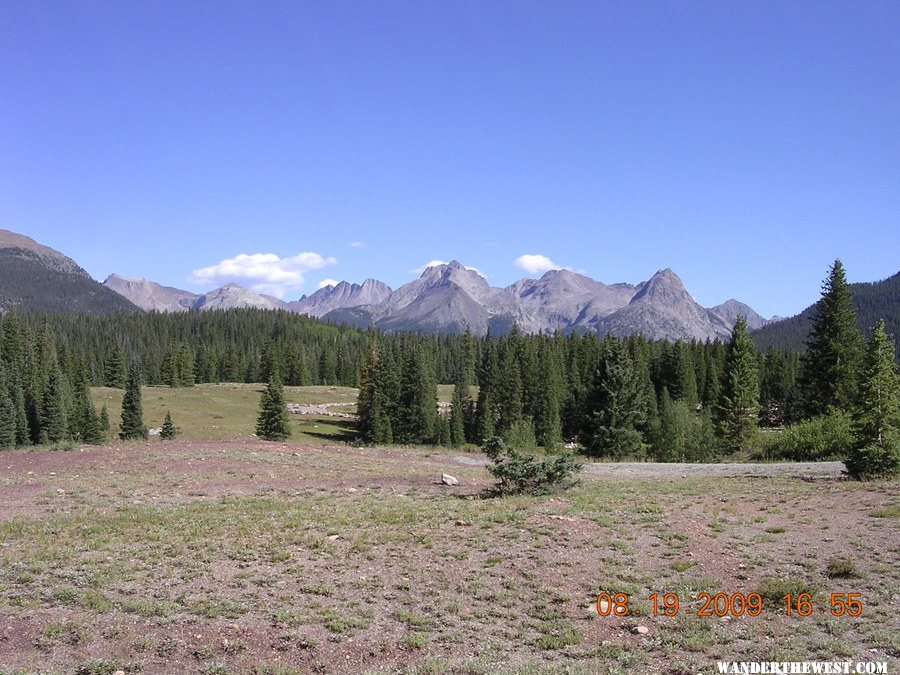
[640, 630]
[447, 479]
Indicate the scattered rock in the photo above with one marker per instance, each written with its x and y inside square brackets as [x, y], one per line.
[333, 537]
[60, 491]
[447, 479]
[119, 672]
[640, 630]
[568, 519]
[462, 523]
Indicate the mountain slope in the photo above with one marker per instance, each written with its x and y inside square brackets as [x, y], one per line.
[872, 301]
[36, 278]
[341, 296]
[149, 295]
[662, 308]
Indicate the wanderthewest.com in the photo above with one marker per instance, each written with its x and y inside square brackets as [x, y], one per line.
[791, 667]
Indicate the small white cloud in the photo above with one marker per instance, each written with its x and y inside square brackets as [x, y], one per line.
[263, 272]
[357, 244]
[430, 263]
[535, 263]
[327, 282]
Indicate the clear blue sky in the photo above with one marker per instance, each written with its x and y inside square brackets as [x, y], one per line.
[743, 144]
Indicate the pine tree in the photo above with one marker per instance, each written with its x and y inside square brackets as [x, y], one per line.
[132, 425]
[614, 407]
[273, 424]
[114, 370]
[54, 423]
[7, 420]
[416, 415]
[877, 415]
[830, 367]
[457, 427]
[739, 402]
[168, 430]
[104, 424]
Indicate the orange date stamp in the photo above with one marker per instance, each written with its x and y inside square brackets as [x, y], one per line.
[731, 605]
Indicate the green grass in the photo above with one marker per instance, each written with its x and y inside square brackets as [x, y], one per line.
[228, 411]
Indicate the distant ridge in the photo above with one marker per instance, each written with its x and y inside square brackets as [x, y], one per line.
[37, 278]
[872, 301]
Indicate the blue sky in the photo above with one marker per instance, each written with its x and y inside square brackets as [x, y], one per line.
[743, 144]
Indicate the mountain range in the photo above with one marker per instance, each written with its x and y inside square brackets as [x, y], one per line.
[451, 298]
[445, 298]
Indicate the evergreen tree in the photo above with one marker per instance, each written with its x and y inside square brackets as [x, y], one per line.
[104, 424]
[614, 407]
[114, 370]
[132, 425]
[273, 424]
[739, 402]
[876, 451]
[457, 427]
[168, 430]
[416, 415]
[830, 367]
[7, 420]
[54, 423]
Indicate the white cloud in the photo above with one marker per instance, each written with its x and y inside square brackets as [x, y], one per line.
[263, 272]
[430, 263]
[327, 282]
[535, 263]
[357, 244]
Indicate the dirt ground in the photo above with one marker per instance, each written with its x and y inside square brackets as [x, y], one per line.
[245, 556]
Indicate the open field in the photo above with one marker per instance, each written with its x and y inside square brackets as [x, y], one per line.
[245, 556]
[228, 411]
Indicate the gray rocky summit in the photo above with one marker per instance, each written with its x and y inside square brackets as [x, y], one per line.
[451, 298]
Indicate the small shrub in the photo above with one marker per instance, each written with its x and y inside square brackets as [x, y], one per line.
[773, 590]
[819, 438]
[521, 435]
[839, 568]
[517, 473]
[874, 461]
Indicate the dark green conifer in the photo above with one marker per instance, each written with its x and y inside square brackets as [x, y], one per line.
[615, 407]
[168, 430]
[132, 425]
[876, 418]
[829, 373]
[54, 423]
[739, 402]
[273, 423]
[114, 370]
[7, 420]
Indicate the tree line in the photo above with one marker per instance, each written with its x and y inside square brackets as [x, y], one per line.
[618, 397]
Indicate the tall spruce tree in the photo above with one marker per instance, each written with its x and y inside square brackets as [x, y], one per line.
[829, 373]
[273, 423]
[739, 402]
[876, 451]
[114, 372]
[614, 406]
[54, 420]
[132, 425]
[416, 416]
[7, 420]
[457, 427]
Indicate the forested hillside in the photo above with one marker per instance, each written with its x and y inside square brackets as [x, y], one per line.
[36, 283]
[871, 301]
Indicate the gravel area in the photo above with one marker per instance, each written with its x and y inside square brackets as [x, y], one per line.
[665, 470]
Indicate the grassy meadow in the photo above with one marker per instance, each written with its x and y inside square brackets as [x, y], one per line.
[218, 553]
